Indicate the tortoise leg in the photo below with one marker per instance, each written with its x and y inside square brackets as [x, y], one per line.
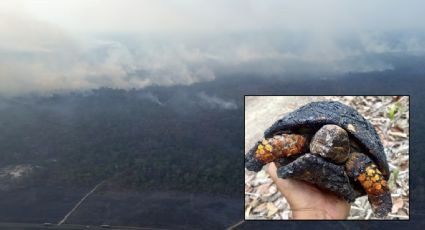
[271, 149]
[315, 170]
[361, 168]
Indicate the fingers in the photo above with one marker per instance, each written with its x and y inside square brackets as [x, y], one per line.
[295, 191]
[307, 201]
[290, 188]
[284, 186]
[317, 171]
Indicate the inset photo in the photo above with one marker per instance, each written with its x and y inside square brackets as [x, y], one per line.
[326, 157]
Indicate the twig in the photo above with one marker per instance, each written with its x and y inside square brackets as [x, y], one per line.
[357, 208]
[397, 134]
[252, 194]
[399, 216]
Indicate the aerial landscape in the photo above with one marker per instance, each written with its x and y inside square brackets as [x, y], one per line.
[131, 113]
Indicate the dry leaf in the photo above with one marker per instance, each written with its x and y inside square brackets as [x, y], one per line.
[285, 214]
[262, 189]
[272, 209]
[273, 189]
[398, 203]
[260, 208]
[248, 211]
[248, 189]
[402, 212]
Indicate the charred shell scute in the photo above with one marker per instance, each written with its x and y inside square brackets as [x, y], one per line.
[316, 114]
[251, 162]
[316, 170]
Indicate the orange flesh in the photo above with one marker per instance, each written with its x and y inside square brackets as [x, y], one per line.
[279, 146]
[372, 180]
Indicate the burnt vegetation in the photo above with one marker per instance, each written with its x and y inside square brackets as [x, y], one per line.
[168, 140]
[80, 139]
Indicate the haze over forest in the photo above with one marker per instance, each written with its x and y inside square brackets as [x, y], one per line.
[53, 46]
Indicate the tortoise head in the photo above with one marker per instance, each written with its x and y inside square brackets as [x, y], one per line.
[311, 117]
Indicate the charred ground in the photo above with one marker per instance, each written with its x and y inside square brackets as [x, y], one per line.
[157, 138]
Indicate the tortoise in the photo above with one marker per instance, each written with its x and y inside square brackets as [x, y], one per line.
[330, 145]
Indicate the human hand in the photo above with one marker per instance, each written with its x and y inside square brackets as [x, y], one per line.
[307, 201]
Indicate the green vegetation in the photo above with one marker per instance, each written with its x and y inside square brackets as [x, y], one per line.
[392, 110]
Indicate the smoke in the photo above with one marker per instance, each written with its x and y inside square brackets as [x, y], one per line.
[52, 60]
[215, 102]
[151, 97]
[78, 45]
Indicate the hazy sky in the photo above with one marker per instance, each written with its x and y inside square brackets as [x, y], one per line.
[83, 44]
